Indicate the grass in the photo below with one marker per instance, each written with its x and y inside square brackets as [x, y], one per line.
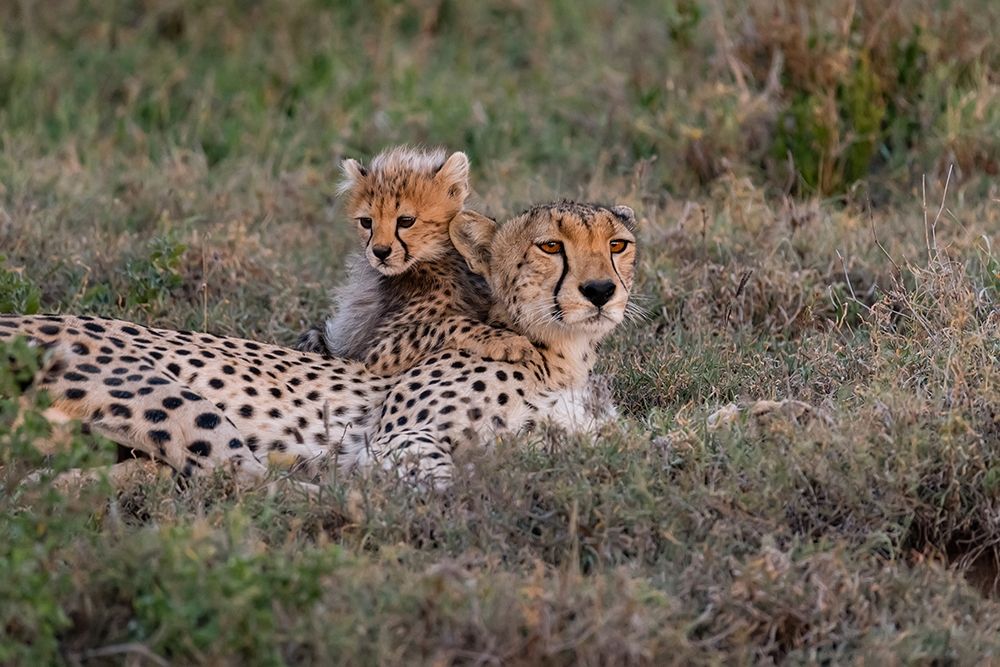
[806, 467]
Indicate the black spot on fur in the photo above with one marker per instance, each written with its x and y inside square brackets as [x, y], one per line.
[200, 448]
[119, 410]
[207, 420]
[159, 437]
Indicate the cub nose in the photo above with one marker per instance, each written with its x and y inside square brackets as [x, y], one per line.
[598, 292]
[381, 251]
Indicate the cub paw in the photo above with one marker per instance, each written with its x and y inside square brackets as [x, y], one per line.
[311, 341]
[511, 348]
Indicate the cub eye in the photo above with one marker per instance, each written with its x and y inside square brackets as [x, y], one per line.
[551, 247]
[618, 245]
[366, 223]
[405, 221]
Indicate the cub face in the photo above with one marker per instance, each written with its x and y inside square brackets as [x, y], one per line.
[403, 203]
[560, 269]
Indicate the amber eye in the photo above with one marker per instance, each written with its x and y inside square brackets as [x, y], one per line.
[405, 221]
[366, 223]
[618, 245]
[551, 247]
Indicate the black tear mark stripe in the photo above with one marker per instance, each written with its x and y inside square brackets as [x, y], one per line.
[615, 268]
[402, 243]
[562, 277]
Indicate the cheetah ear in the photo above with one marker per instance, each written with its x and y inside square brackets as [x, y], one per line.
[453, 176]
[472, 234]
[625, 214]
[354, 173]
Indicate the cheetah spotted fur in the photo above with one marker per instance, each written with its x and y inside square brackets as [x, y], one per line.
[561, 275]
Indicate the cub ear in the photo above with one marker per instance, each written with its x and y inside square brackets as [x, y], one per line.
[354, 172]
[625, 214]
[472, 235]
[453, 176]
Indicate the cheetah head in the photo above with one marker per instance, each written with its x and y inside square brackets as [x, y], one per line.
[403, 203]
[560, 271]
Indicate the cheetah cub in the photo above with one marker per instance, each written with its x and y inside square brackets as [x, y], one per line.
[409, 293]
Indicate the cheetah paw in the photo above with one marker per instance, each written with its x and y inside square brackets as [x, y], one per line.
[511, 348]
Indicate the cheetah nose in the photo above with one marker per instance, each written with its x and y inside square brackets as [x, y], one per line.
[598, 292]
[381, 251]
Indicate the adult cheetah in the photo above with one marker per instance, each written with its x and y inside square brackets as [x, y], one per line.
[561, 275]
[409, 293]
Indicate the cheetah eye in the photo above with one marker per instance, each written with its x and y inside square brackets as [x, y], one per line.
[618, 245]
[405, 221]
[366, 223]
[551, 247]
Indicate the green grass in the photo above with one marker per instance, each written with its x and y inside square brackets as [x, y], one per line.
[174, 163]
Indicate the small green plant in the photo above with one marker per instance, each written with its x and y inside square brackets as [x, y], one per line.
[35, 517]
[682, 19]
[17, 293]
[860, 95]
[833, 136]
[152, 278]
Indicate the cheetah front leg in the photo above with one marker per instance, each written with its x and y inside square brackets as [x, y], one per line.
[401, 345]
[483, 340]
[119, 475]
[129, 473]
[417, 456]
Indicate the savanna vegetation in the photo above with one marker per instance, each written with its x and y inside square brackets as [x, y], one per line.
[807, 468]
